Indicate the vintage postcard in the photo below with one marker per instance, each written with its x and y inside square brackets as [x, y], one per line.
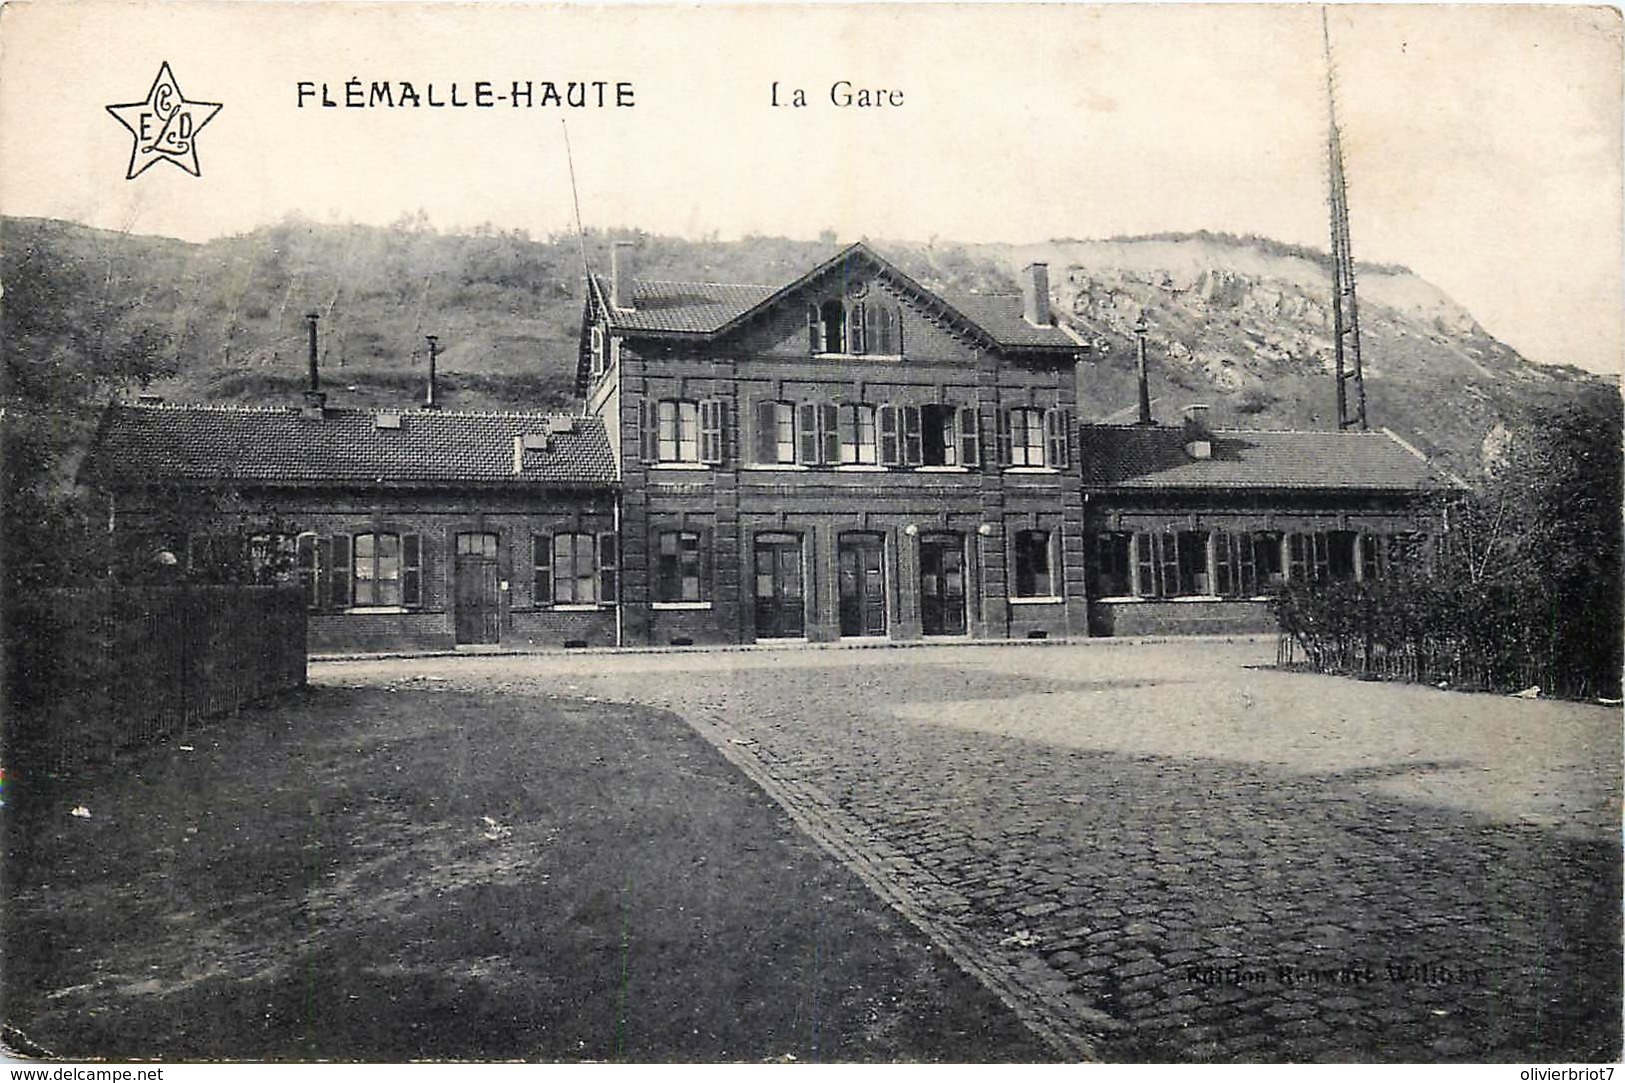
[772, 533]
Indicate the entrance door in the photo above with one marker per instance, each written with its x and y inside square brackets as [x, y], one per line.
[863, 585]
[477, 604]
[942, 584]
[781, 610]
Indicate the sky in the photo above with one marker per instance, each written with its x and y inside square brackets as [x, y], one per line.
[1482, 144]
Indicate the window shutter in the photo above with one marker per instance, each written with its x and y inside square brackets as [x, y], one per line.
[711, 426]
[1057, 423]
[873, 340]
[541, 560]
[912, 442]
[339, 575]
[856, 327]
[411, 569]
[829, 432]
[608, 567]
[305, 560]
[648, 430]
[1225, 579]
[970, 439]
[1004, 437]
[815, 330]
[807, 434]
[891, 440]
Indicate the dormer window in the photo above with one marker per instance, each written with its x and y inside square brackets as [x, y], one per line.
[865, 323]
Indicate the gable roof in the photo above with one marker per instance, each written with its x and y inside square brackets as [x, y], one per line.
[140, 445]
[689, 309]
[1135, 457]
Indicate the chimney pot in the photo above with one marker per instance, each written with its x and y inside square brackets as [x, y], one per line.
[315, 377]
[623, 270]
[1140, 328]
[1035, 294]
[429, 402]
[315, 405]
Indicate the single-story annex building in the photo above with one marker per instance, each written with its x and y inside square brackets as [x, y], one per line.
[410, 529]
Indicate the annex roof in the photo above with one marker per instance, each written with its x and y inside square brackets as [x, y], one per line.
[706, 309]
[686, 307]
[1134, 457]
[145, 444]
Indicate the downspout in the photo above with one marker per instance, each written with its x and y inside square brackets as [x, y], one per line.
[620, 593]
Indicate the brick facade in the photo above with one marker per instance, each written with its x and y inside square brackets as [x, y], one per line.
[849, 456]
[919, 527]
[520, 618]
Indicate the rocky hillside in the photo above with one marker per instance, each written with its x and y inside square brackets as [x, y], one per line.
[1245, 325]
[1240, 323]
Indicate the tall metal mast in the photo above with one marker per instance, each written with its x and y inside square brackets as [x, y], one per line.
[1345, 306]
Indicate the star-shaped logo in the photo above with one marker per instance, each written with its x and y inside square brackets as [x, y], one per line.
[165, 125]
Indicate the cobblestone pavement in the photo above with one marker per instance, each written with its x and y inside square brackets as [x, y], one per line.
[1159, 852]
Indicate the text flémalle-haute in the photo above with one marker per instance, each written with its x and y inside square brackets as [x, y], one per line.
[355, 93]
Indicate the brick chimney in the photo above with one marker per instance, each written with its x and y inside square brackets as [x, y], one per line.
[315, 399]
[429, 402]
[623, 271]
[1035, 294]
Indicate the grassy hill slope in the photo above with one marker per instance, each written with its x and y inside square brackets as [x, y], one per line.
[1240, 323]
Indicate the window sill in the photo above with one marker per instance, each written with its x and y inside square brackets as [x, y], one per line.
[680, 466]
[368, 610]
[679, 606]
[858, 356]
[572, 607]
[862, 468]
[776, 466]
[943, 469]
[1031, 470]
[1042, 599]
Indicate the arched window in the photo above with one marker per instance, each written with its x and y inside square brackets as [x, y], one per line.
[832, 315]
[883, 329]
[855, 338]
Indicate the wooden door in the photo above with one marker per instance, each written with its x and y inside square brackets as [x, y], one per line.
[781, 608]
[477, 602]
[863, 585]
[942, 584]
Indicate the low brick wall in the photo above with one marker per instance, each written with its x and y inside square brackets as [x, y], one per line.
[361, 633]
[1195, 617]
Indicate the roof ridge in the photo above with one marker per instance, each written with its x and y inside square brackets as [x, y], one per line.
[289, 408]
[224, 407]
[640, 280]
[1130, 426]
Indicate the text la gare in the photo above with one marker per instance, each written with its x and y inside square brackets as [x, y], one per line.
[842, 94]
